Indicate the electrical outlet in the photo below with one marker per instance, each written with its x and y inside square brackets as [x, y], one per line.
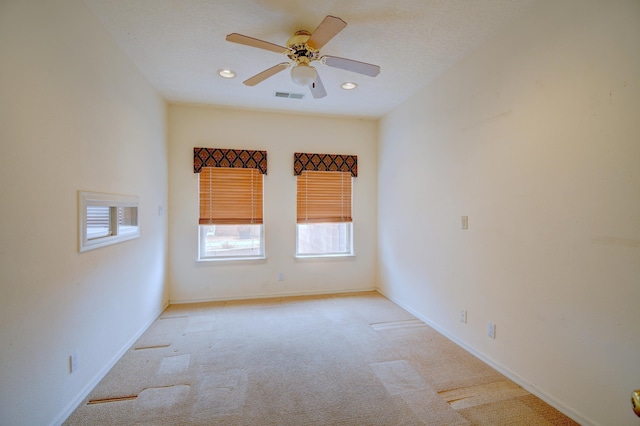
[465, 222]
[491, 330]
[463, 316]
[73, 362]
[280, 276]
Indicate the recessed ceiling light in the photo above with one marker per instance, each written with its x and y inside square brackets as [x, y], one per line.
[224, 73]
[348, 86]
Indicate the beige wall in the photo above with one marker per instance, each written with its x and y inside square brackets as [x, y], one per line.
[280, 135]
[75, 114]
[536, 137]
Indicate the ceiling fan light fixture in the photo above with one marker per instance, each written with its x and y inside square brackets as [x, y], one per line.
[303, 74]
[302, 49]
[226, 73]
[348, 85]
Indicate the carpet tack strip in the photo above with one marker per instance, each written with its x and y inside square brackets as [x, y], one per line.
[152, 347]
[482, 394]
[397, 324]
[166, 386]
[113, 399]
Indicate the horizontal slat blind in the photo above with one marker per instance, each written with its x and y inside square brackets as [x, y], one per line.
[98, 216]
[324, 197]
[230, 196]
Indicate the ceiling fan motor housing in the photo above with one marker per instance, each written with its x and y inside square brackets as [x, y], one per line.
[299, 50]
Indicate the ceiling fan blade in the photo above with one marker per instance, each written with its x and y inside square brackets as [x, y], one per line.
[254, 42]
[317, 88]
[328, 28]
[351, 65]
[260, 77]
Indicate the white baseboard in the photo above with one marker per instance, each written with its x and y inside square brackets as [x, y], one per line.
[270, 295]
[511, 375]
[66, 412]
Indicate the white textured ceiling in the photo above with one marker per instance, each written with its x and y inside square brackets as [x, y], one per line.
[180, 44]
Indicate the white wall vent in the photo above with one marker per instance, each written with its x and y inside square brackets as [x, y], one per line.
[289, 95]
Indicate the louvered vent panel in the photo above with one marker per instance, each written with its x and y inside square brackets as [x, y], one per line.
[289, 95]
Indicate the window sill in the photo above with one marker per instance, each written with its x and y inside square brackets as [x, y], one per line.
[324, 257]
[230, 260]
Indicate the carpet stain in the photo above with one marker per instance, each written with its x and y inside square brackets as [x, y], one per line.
[158, 402]
[220, 394]
[199, 323]
[430, 409]
[399, 377]
[174, 364]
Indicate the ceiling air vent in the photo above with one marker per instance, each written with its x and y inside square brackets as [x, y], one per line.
[289, 95]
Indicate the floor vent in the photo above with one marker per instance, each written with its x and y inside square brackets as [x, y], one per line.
[289, 95]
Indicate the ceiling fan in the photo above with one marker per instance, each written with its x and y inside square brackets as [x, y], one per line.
[304, 48]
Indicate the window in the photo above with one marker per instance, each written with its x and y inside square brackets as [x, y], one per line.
[230, 200]
[106, 219]
[324, 204]
[230, 225]
[324, 200]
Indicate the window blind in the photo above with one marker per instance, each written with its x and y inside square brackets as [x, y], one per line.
[324, 197]
[230, 196]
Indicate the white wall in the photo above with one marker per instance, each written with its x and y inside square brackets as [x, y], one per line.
[280, 135]
[75, 114]
[536, 137]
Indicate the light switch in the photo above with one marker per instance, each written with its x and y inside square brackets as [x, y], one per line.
[465, 222]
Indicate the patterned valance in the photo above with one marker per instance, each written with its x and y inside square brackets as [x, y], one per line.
[325, 163]
[236, 158]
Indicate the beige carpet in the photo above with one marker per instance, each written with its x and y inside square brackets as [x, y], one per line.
[350, 359]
